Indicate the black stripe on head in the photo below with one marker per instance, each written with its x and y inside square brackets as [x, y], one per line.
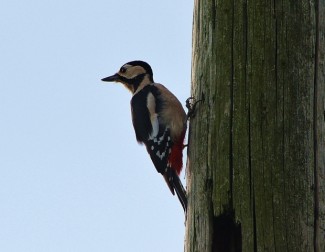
[135, 82]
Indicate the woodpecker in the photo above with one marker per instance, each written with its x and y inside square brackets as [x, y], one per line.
[159, 122]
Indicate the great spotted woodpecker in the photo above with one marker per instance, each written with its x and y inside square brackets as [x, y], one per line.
[159, 121]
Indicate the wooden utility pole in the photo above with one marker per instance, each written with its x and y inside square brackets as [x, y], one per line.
[256, 158]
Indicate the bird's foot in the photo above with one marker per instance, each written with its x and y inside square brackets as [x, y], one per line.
[191, 105]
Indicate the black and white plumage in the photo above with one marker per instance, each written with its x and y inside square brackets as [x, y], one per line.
[159, 121]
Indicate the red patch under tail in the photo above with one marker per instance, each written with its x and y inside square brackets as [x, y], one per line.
[175, 159]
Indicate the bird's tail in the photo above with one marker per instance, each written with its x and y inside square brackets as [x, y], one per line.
[175, 184]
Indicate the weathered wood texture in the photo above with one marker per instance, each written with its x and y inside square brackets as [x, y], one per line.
[257, 141]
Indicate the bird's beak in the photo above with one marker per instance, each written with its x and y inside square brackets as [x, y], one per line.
[112, 78]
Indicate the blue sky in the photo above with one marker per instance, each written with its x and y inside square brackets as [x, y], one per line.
[72, 176]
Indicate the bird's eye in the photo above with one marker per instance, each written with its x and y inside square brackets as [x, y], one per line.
[123, 70]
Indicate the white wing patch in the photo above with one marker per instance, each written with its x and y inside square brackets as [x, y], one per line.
[151, 105]
[155, 126]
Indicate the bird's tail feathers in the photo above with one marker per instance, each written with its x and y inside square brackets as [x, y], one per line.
[174, 183]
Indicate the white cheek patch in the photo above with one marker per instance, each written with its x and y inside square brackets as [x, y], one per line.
[134, 71]
[151, 105]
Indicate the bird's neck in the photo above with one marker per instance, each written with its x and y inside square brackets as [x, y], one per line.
[144, 81]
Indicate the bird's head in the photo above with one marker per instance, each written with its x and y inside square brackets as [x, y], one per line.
[133, 74]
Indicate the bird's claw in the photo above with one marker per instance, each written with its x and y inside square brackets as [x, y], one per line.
[191, 105]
